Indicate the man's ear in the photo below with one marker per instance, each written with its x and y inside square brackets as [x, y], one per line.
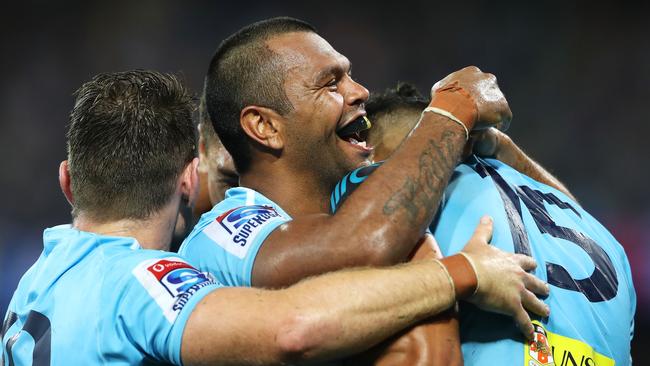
[189, 182]
[264, 125]
[64, 181]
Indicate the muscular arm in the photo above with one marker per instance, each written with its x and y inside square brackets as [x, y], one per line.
[331, 316]
[434, 341]
[496, 144]
[379, 224]
[381, 221]
[342, 313]
[319, 319]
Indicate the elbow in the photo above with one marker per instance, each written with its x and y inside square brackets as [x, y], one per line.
[300, 338]
[292, 342]
[385, 249]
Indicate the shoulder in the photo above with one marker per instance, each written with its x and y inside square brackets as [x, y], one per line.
[235, 222]
[238, 202]
[141, 265]
[167, 279]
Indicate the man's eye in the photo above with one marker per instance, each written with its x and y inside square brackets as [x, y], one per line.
[332, 83]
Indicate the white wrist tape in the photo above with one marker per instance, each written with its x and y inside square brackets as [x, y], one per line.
[445, 113]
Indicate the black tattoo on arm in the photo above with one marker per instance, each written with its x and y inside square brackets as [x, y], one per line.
[420, 195]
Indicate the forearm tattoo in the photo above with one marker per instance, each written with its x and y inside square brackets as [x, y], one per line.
[419, 196]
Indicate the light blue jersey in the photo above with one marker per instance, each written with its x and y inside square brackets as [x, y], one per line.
[100, 300]
[592, 298]
[226, 239]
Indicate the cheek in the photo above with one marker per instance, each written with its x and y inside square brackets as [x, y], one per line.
[330, 104]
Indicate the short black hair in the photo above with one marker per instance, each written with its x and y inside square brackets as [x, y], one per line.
[392, 116]
[404, 95]
[130, 136]
[245, 71]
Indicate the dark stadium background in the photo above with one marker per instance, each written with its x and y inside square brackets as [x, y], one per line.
[577, 76]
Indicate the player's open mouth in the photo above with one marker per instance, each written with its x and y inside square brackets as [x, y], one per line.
[356, 132]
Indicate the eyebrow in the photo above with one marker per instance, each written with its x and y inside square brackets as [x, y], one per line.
[335, 69]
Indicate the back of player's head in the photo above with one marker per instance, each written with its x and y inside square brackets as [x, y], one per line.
[393, 114]
[130, 136]
[245, 71]
[206, 130]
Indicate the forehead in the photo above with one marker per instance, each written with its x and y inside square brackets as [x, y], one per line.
[307, 53]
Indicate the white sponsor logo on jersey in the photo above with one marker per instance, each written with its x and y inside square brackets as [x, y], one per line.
[170, 282]
[235, 229]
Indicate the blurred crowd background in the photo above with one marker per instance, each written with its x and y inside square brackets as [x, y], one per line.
[576, 74]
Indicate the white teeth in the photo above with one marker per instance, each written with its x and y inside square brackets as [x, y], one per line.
[355, 142]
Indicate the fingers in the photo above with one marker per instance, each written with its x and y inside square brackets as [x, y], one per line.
[525, 262]
[460, 74]
[485, 142]
[482, 235]
[483, 231]
[472, 68]
[506, 119]
[534, 305]
[524, 323]
[535, 285]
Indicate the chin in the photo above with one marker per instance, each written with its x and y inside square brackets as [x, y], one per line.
[357, 162]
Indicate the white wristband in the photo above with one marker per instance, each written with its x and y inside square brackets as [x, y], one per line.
[449, 279]
[445, 113]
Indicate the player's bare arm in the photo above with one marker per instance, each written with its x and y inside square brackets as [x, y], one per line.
[309, 321]
[494, 143]
[383, 220]
[434, 341]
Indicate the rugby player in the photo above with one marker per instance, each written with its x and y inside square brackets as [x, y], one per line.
[437, 343]
[104, 291]
[279, 97]
[593, 298]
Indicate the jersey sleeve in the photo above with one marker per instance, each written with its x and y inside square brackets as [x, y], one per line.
[157, 297]
[226, 241]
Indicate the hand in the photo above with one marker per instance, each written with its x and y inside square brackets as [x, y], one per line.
[488, 143]
[492, 106]
[503, 284]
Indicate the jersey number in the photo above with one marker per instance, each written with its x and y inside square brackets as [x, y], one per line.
[602, 285]
[38, 326]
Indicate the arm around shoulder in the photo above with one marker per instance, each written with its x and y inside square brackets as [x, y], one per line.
[322, 318]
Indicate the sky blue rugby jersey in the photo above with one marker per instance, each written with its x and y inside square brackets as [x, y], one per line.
[100, 300]
[226, 239]
[592, 297]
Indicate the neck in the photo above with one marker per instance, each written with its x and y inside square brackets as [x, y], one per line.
[296, 192]
[154, 232]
